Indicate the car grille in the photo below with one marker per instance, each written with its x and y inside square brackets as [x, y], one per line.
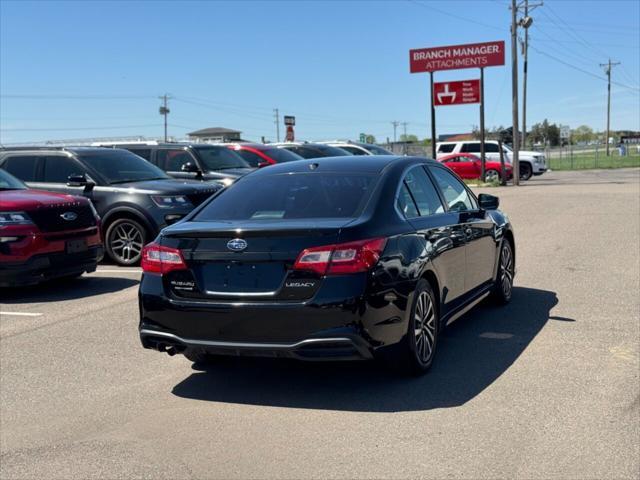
[198, 198]
[50, 219]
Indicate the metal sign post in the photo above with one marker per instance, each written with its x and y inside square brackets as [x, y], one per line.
[433, 120]
[482, 134]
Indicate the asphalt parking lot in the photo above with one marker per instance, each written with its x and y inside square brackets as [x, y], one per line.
[547, 387]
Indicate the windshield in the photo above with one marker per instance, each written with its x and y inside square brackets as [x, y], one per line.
[9, 182]
[121, 166]
[291, 196]
[219, 158]
[281, 155]
[317, 151]
[330, 151]
[377, 150]
[507, 148]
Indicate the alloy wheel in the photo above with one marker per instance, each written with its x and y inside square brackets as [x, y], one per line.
[126, 242]
[424, 327]
[491, 176]
[506, 270]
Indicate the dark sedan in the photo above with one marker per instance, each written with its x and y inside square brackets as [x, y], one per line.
[337, 258]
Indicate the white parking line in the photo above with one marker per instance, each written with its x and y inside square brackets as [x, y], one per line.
[21, 314]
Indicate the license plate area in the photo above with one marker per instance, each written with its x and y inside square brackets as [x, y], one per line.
[247, 277]
[76, 246]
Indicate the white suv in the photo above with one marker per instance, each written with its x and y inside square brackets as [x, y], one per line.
[531, 163]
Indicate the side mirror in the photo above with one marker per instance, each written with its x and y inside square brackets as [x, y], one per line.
[190, 168]
[80, 180]
[488, 202]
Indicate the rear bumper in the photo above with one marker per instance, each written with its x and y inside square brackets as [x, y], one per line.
[48, 266]
[345, 320]
[321, 348]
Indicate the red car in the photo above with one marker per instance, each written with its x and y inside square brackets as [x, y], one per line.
[262, 155]
[468, 166]
[45, 235]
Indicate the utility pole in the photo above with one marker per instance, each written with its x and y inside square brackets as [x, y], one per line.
[276, 114]
[514, 93]
[608, 72]
[395, 124]
[164, 110]
[525, 54]
[404, 129]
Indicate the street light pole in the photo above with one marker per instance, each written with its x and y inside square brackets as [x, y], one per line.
[514, 94]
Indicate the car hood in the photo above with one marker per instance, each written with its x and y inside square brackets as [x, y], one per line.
[169, 186]
[530, 153]
[14, 200]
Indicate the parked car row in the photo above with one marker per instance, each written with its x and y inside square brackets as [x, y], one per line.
[139, 188]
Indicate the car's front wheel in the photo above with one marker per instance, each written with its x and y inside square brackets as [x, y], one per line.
[418, 349]
[124, 241]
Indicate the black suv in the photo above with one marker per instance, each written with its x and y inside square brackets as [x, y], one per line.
[134, 198]
[192, 160]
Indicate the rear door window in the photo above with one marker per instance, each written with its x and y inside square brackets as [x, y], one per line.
[284, 196]
[470, 147]
[58, 169]
[173, 160]
[446, 148]
[22, 167]
[423, 192]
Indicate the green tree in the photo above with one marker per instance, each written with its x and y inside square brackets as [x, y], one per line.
[409, 138]
[583, 133]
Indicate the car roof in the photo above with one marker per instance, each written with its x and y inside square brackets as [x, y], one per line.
[370, 164]
[70, 149]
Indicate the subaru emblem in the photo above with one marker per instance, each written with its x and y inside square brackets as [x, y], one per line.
[69, 216]
[237, 244]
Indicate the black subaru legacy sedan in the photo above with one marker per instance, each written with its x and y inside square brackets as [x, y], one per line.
[327, 259]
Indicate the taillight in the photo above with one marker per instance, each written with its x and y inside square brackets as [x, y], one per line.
[159, 259]
[352, 257]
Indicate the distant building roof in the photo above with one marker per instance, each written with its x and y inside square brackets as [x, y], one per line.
[214, 131]
[455, 137]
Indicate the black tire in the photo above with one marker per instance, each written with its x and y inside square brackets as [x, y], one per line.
[417, 350]
[124, 240]
[525, 171]
[503, 287]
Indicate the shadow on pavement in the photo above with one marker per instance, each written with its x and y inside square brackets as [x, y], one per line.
[67, 289]
[472, 353]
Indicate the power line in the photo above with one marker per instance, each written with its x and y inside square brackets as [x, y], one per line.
[75, 97]
[458, 17]
[582, 70]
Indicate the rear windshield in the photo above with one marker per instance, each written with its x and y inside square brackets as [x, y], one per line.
[280, 155]
[287, 196]
[220, 158]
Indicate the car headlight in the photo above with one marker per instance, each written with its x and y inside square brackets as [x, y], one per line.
[171, 201]
[14, 218]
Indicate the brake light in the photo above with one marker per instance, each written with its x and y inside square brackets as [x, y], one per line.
[162, 260]
[344, 258]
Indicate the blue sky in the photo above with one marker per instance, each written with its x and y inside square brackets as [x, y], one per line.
[73, 70]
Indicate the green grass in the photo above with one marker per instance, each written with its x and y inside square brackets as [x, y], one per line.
[582, 161]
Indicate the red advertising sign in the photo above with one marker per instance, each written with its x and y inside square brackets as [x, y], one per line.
[289, 136]
[456, 93]
[472, 55]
